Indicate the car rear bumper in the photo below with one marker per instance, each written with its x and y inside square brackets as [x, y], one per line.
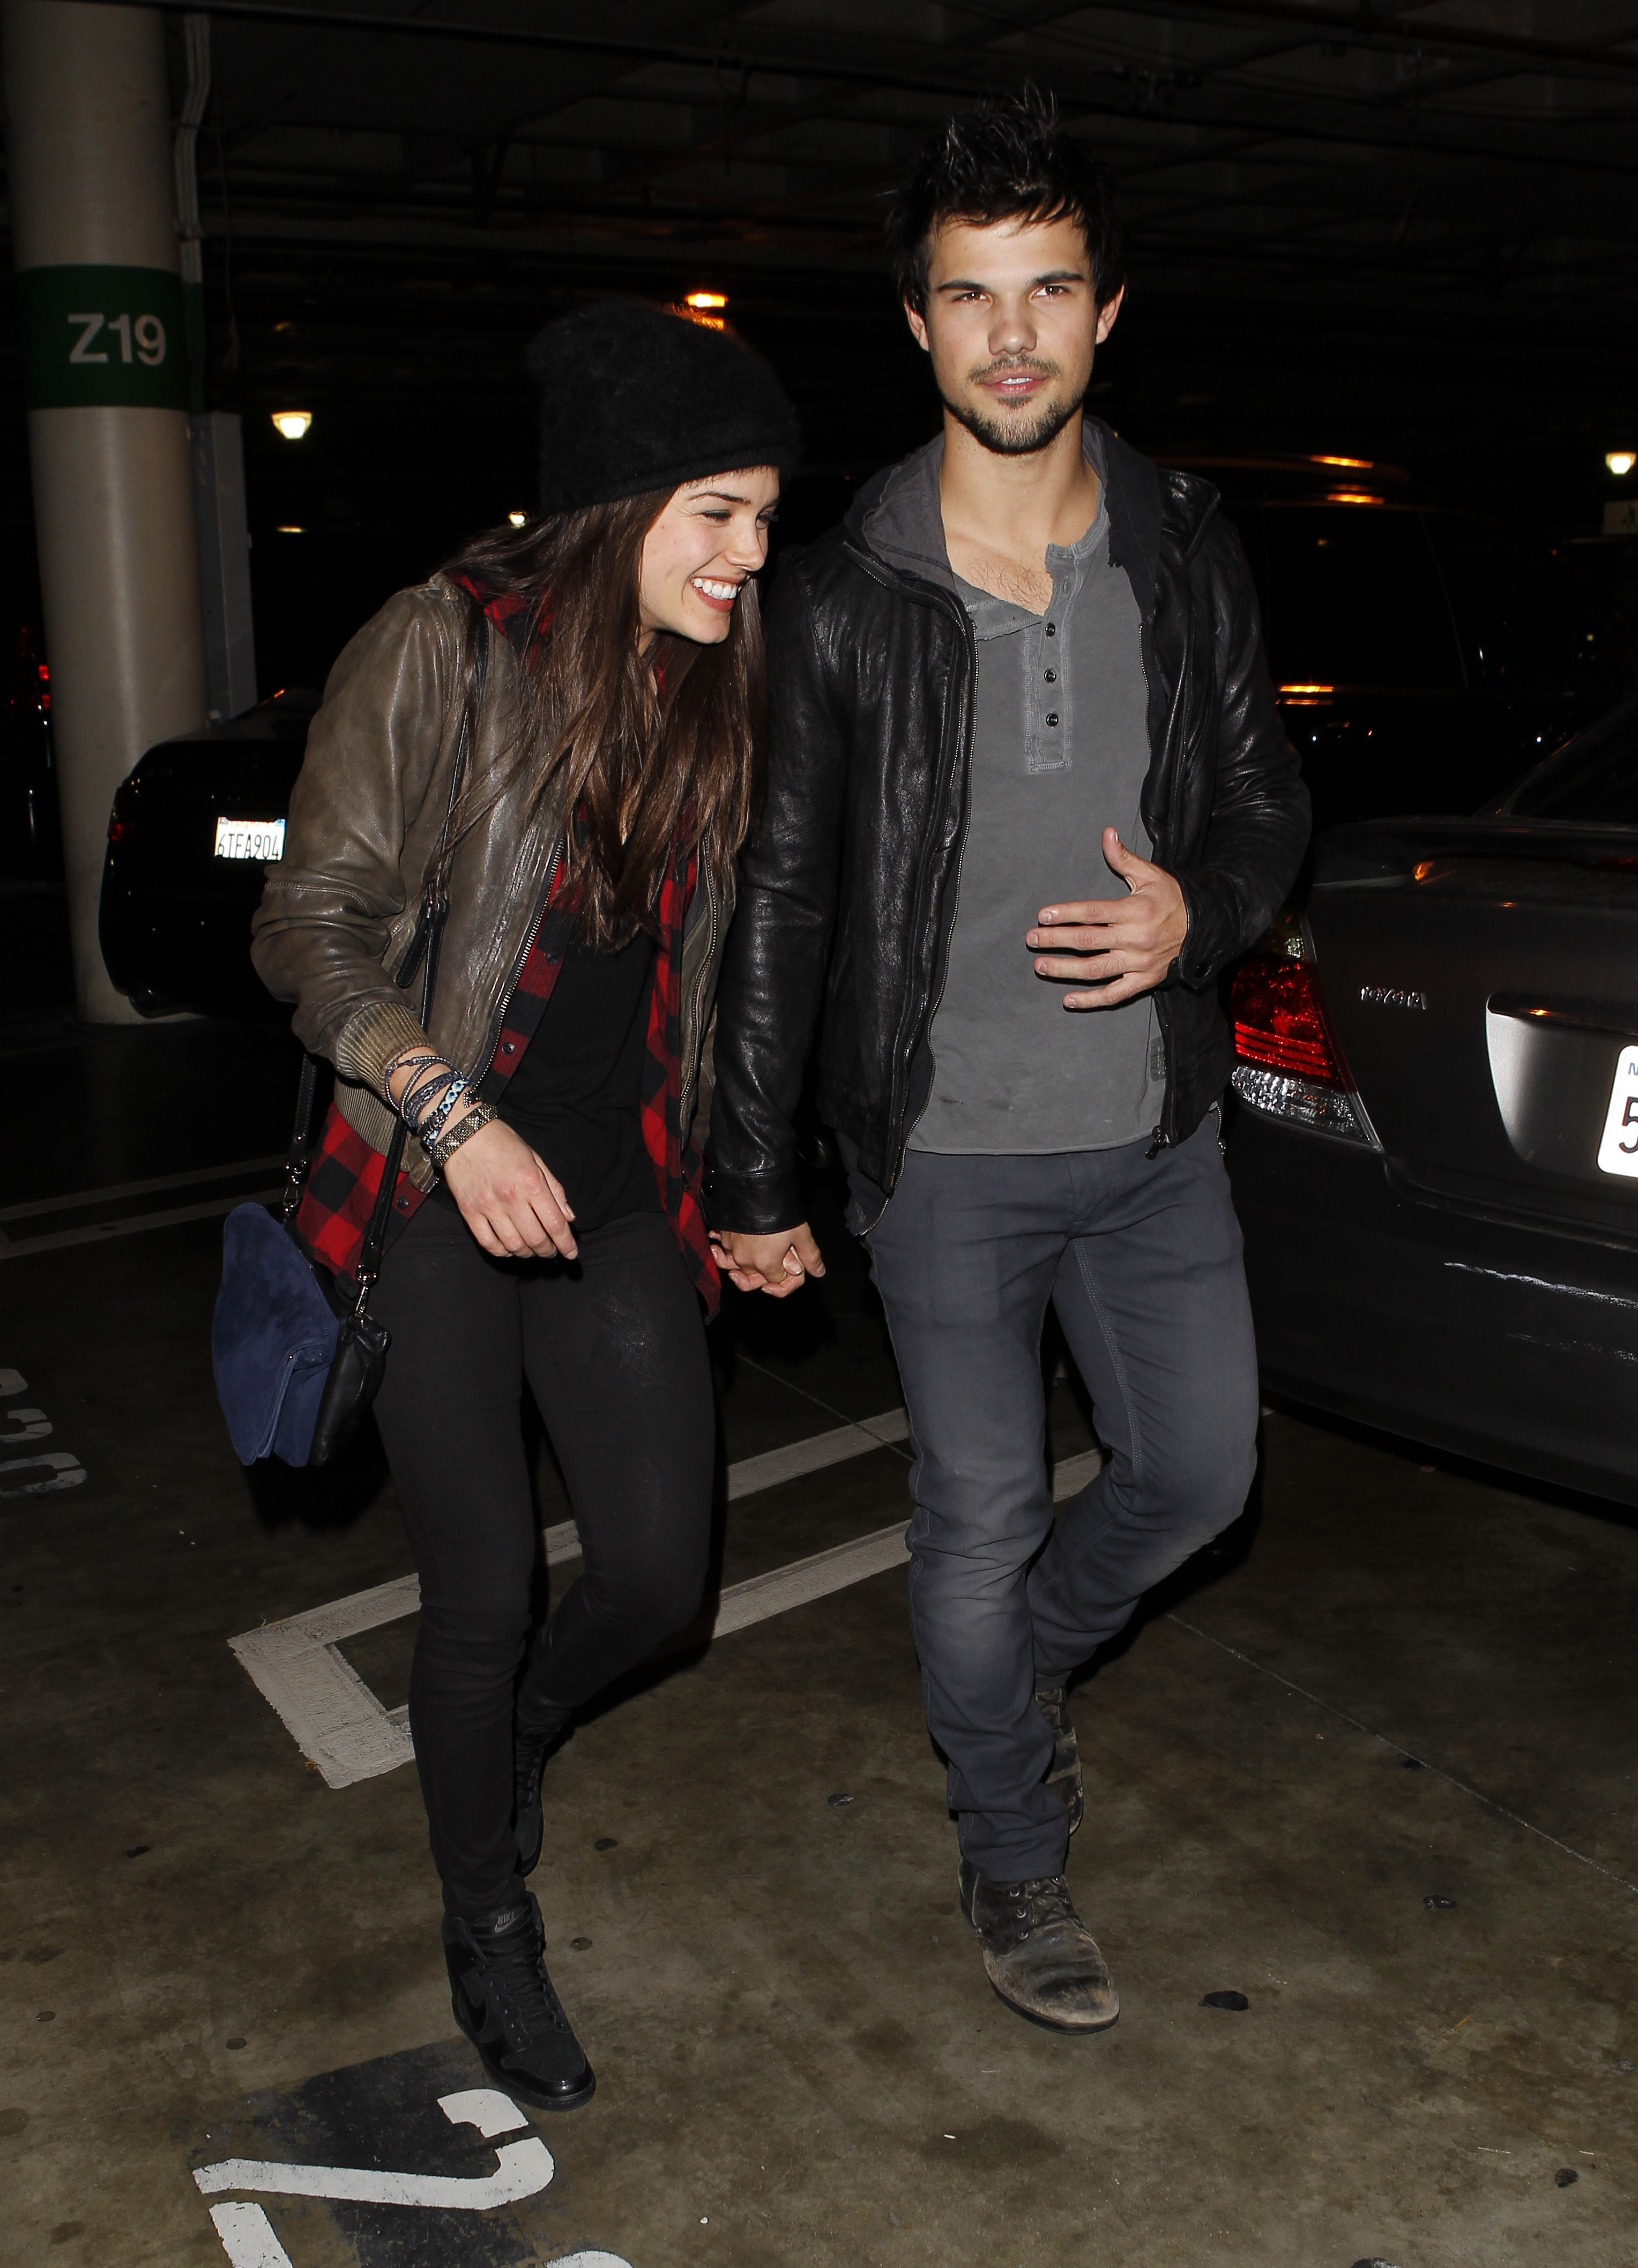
[1515, 1345]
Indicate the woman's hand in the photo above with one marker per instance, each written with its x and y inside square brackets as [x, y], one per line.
[509, 1197]
[777, 1264]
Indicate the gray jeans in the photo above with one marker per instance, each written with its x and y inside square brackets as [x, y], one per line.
[1140, 1258]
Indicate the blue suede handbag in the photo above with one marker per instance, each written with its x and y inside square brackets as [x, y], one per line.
[297, 1358]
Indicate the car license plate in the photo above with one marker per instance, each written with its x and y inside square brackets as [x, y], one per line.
[1618, 1153]
[250, 838]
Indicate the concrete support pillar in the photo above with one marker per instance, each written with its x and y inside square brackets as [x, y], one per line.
[89, 160]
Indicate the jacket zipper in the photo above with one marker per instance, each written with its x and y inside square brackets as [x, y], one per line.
[699, 1004]
[898, 1096]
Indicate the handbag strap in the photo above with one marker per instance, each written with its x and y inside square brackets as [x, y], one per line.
[299, 1163]
[428, 937]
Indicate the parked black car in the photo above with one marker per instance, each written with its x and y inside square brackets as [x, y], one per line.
[191, 837]
[1434, 1139]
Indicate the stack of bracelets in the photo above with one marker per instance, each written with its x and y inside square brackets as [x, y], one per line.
[437, 1089]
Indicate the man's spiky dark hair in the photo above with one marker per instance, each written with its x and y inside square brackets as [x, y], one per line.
[1008, 159]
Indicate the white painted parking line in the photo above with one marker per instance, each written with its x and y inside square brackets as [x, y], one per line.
[1072, 1475]
[819, 1450]
[65, 1468]
[22, 1248]
[247, 2237]
[341, 1728]
[764, 1596]
[75, 1198]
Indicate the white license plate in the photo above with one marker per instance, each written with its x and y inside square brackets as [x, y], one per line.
[250, 838]
[1618, 1153]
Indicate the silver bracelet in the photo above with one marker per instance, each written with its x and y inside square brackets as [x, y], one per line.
[480, 1115]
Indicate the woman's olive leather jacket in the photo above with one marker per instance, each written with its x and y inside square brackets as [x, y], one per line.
[847, 896]
[339, 911]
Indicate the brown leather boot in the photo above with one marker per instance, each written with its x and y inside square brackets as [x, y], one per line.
[1039, 1954]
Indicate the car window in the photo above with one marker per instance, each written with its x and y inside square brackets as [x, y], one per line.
[1353, 598]
[1534, 630]
[1598, 788]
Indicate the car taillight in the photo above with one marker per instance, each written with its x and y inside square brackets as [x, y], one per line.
[122, 818]
[1279, 1019]
[1289, 1064]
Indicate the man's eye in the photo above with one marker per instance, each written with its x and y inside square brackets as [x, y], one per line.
[714, 515]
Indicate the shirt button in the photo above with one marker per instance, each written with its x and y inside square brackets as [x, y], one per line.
[1051, 630]
[1052, 718]
[1052, 677]
[509, 1047]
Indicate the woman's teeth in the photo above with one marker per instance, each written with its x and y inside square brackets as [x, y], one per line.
[718, 591]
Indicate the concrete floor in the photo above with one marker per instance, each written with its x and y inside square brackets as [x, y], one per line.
[205, 1952]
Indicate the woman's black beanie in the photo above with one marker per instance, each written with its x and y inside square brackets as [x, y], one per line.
[632, 399]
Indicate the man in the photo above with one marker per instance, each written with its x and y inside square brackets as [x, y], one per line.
[1028, 795]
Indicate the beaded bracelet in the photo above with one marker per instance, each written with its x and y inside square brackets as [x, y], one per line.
[436, 1119]
[418, 1096]
[480, 1115]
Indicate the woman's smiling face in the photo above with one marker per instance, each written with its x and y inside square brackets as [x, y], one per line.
[698, 556]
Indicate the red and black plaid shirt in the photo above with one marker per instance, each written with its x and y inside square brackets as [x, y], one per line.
[346, 1177]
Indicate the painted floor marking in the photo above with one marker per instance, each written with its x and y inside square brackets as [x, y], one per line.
[64, 1467]
[247, 2237]
[71, 1202]
[344, 1729]
[523, 2170]
[819, 1450]
[59, 1240]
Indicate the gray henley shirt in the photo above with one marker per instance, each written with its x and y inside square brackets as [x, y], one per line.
[1060, 751]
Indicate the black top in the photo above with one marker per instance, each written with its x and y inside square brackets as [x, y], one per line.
[575, 1097]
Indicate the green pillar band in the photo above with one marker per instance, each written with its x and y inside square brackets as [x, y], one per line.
[97, 336]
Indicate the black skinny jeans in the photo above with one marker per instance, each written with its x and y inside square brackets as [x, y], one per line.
[613, 1346]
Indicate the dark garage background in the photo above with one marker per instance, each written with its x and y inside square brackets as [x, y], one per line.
[1405, 233]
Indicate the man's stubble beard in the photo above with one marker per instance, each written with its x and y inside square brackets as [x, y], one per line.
[1016, 439]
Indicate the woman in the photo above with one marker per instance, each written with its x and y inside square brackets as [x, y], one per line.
[603, 668]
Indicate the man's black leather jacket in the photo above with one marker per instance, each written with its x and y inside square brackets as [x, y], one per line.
[847, 895]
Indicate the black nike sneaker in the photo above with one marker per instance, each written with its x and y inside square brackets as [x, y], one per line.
[504, 2002]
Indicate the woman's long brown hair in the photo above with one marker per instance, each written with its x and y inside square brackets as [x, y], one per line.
[648, 749]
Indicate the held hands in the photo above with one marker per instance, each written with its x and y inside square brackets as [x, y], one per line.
[1133, 941]
[777, 1264]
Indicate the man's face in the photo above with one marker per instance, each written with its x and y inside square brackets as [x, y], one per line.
[1011, 325]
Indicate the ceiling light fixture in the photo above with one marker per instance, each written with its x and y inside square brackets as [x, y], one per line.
[1621, 461]
[285, 529]
[291, 424]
